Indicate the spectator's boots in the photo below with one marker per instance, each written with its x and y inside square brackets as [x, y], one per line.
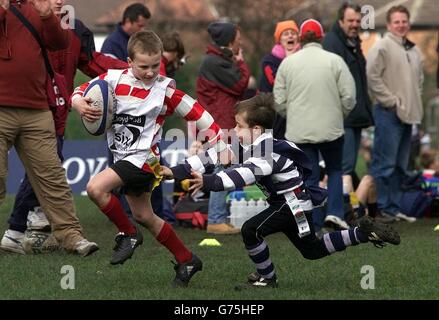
[335, 223]
[385, 218]
[125, 246]
[255, 280]
[405, 217]
[378, 233]
[12, 241]
[222, 228]
[185, 271]
[85, 248]
[37, 220]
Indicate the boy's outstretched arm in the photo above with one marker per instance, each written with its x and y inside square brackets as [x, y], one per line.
[203, 163]
[230, 179]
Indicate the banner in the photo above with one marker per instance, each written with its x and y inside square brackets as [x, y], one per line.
[85, 158]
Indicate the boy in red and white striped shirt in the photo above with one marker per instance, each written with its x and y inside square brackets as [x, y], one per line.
[144, 100]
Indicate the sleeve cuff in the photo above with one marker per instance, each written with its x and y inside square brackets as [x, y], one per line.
[181, 172]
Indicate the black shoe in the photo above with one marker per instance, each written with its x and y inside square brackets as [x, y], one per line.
[253, 277]
[255, 280]
[125, 246]
[185, 271]
[378, 233]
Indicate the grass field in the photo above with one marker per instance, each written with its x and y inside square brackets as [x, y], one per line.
[408, 271]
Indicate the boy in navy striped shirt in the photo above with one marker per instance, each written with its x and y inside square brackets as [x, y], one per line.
[278, 168]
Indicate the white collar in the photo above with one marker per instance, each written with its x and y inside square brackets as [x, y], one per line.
[262, 137]
[139, 82]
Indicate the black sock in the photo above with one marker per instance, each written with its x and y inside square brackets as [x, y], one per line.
[372, 208]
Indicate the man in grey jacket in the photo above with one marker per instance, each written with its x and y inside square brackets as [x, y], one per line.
[395, 78]
[315, 91]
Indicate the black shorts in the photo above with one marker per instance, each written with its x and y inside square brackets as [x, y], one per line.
[136, 181]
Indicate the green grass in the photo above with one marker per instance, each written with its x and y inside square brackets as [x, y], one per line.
[408, 271]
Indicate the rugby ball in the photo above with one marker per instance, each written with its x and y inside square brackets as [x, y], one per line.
[102, 97]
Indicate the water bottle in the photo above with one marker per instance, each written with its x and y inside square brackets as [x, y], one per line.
[251, 208]
[260, 205]
[238, 210]
[234, 208]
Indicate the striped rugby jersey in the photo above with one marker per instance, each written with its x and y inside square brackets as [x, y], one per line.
[275, 166]
[141, 111]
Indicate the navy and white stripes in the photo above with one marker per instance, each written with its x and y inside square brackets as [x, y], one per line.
[273, 164]
[260, 255]
[339, 240]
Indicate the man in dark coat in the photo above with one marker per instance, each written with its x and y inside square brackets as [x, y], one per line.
[343, 40]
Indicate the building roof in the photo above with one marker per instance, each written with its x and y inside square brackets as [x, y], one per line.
[424, 13]
[103, 15]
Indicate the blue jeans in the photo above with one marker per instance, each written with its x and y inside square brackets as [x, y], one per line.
[332, 153]
[26, 199]
[218, 211]
[390, 156]
[352, 139]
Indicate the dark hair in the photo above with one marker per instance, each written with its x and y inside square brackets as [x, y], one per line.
[347, 5]
[135, 10]
[172, 43]
[426, 159]
[394, 9]
[309, 37]
[145, 41]
[258, 110]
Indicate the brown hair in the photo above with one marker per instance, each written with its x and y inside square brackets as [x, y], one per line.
[172, 43]
[309, 37]
[144, 42]
[394, 9]
[426, 159]
[258, 110]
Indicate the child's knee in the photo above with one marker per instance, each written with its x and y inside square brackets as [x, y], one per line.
[94, 191]
[248, 231]
[146, 218]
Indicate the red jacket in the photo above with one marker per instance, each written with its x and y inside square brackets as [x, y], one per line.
[221, 83]
[23, 73]
[80, 55]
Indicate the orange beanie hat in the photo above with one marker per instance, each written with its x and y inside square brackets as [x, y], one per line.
[282, 26]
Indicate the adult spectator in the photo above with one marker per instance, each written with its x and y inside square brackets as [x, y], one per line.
[26, 121]
[222, 81]
[395, 78]
[135, 18]
[344, 40]
[286, 38]
[315, 91]
[79, 54]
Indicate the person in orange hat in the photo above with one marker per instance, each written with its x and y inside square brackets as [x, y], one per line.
[286, 38]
